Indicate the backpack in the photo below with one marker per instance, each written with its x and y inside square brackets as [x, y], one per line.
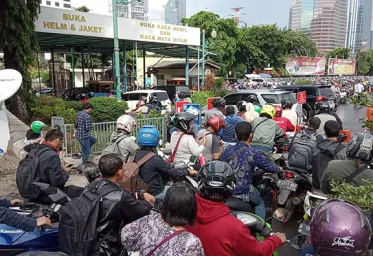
[113, 146]
[131, 181]
[320, 162]
[28, 172]
[78, 221]
[301, 150]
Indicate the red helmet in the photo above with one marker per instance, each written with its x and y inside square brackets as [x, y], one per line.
[216, 122]
[278, 109]
[339, 228]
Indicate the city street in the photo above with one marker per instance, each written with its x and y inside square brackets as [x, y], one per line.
[350, 119]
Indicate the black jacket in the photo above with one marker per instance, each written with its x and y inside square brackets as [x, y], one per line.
[332, 113]
[117, 209]
[50, 169]
[14, 219]
[156, 172]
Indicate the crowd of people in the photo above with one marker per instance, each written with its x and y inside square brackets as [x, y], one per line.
[191, 221]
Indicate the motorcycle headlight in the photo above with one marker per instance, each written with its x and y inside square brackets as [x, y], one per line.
[247, 219]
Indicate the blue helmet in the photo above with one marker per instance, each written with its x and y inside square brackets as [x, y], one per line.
[148, 136]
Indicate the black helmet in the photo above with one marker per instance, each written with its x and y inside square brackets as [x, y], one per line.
[153, 100]
[360, 146]
[322, 106]
[182, 121]
[241, 106]
[219, 103]
[252, 99]
[91, 171]
[286, 103]
[217, 181]
[182, 95]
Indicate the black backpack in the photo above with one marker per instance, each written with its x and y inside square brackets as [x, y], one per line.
[78, 221]
[28, 172]
[321, 161]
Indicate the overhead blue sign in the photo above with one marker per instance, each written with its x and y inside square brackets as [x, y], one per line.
[194, 109]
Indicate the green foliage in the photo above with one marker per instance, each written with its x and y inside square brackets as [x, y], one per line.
[75, 105]
[363, 100]
[202, 97]
[340, 53]
[218, 89]
[153, 114]
[107, 109]
[82, 9]
[361, 196]
[303, 82]
[44, 75]
[46, 107]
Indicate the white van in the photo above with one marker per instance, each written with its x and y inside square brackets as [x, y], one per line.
[132, 98]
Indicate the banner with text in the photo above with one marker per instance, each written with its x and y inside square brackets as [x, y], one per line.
[341, 67]
[60, 21]
[305, 66]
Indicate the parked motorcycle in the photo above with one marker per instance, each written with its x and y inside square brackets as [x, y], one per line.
[14, 241]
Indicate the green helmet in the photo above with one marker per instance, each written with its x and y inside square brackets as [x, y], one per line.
[257, 109]
[37, 126]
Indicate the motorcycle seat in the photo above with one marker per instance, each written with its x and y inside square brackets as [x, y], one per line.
[298, 170]
[238, 205]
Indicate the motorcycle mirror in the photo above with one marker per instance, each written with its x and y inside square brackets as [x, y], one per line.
[300, 242]
[193, 159]
[282, 215]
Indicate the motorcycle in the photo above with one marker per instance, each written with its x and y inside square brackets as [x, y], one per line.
[343, 96]
[292, 186]
[14, 241]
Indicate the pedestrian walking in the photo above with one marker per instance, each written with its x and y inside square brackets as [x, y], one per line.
[83, 128]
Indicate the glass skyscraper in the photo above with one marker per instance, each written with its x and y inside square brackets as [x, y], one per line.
[323, 20]
[174, 11]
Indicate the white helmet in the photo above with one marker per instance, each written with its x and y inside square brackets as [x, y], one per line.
[194, 111]
[126, 123]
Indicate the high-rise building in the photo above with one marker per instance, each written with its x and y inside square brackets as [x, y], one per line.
[324, 21]
[174, 11]
[64, 4]
[136, 10]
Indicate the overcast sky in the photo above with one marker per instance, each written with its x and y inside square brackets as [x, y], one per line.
[257, 11]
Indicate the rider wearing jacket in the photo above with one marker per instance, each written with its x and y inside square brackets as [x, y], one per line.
[221, 233]
[228, 134]
[155, 172]
[324, 113]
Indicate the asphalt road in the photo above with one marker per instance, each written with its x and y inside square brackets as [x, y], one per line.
[350, 119]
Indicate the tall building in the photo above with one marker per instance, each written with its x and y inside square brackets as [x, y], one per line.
[137, 10]
[174, 11]
[324, 21]
[64, 4]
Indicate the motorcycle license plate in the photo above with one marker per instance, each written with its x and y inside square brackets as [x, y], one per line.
[285, 184]
[304, 229]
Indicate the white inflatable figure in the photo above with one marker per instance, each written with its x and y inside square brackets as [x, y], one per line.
[10, 81]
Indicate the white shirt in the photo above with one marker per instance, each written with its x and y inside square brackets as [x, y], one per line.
[359, 88]
[188, 147]
[291, 115]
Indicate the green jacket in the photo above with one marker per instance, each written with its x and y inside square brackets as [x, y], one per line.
[341, 169]
[265, 131]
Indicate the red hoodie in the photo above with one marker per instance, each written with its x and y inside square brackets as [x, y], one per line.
[284, 124]
[222, 234]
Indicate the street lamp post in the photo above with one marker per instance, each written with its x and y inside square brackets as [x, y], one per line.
[116, 43]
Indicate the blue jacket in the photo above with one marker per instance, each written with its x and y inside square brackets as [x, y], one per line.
[13, 219]
[228, 134]
[244, 164]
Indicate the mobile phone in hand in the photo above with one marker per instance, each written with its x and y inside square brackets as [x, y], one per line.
[69, 166]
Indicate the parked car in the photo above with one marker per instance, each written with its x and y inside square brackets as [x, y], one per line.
[74, 94]
[314, 93]
[46, 92]
[256, 81]
[132, 98]
[266, 96]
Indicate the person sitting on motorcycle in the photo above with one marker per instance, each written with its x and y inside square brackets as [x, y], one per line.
[265, 130]
[153, 104]
[117, 207]
[283, 122]
[334, 217]
[359, 156]
[187, 146]
[228, 134]
[15, 220]
[250, 111]
[141, 107]
[218, 107]
[288, 113]
[241, 107]
[253, 100]
[312, 125]
[193, 124]
[213, 147]
[155, 172]
[121, 142]
[324, 113]
[220, 232]
[34, 135]
[329, 149]
[244, 160]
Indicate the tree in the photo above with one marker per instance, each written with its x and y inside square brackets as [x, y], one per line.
[298, 44]
[18, 40]
[82, 9]
[340, 53]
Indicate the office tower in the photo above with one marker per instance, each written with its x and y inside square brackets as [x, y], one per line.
[174, 11]
[135, 10]
[63, 4]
